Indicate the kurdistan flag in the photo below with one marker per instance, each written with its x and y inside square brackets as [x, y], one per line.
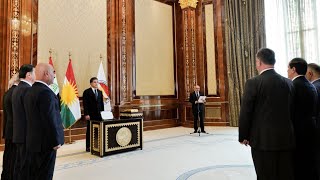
[70, 104]
[54, 86]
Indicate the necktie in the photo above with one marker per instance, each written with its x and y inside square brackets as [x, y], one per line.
[96, 93]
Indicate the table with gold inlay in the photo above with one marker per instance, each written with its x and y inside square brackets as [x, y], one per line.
[115, 136]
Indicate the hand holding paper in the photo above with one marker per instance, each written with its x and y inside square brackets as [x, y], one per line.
[202, 99]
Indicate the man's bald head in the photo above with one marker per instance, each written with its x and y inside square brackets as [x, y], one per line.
[45, 73]
[197, 88]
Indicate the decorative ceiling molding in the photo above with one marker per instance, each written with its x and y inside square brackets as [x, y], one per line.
[188, 3]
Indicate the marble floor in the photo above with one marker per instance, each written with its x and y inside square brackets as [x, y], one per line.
[168, 154]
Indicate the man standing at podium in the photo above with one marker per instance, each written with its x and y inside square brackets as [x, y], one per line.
[197, 108]
[92, 105]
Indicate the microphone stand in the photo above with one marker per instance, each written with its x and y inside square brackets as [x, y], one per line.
[198, 122]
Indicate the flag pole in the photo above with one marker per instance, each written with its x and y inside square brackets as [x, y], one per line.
[70, 142]
[50, 52]
[70, 126]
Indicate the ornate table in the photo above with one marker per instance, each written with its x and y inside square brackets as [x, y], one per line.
[115, 136]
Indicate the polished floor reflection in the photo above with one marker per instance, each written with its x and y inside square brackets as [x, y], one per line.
[168, 154]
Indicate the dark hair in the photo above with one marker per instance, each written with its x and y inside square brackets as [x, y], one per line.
[24, 69]
[300, 64]
[266, 55]
[92, 79]
[314, 67]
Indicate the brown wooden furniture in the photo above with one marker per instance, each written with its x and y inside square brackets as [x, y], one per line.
[115, 136]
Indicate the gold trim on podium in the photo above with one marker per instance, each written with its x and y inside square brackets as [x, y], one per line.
[95, 128]
[101, 135]
[107, 149]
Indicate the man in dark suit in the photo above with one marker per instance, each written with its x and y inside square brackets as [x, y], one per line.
[27, 77]
[304, 118]
[265, 120]
[44, 129]
[9, 154]
[313, 75]
[92, 105]
[197, 109]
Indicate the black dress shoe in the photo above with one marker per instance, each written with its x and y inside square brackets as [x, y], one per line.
[203, 131]
[88, 149]
[195, 131]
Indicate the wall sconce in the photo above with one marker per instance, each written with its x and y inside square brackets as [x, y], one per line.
[15, 24]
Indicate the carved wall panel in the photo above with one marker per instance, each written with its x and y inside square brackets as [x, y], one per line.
[190, 59]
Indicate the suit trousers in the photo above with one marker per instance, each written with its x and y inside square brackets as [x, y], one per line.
[9, 156]
[318, 163]
[22, 162]
[195, 120]
[42, 165]
[88, 135]
[305, 163]
[273, 165]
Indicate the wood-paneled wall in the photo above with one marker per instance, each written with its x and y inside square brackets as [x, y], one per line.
[20, 47]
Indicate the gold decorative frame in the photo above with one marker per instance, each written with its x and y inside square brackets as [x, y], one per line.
[15, 36]
[186, 46]
[124, 50]
[193, 47]
[190, 49]
[96, 127]
[188, 3]
[107, 149]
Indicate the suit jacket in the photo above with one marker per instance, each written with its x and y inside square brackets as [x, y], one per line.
[19, 115]
[317, 86]
[305, 112]
[193, 98]
[7, 114]
[265, 114]
[44, 129]
[92, 106]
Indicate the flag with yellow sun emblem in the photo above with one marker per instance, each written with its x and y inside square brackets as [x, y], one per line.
[70, 104]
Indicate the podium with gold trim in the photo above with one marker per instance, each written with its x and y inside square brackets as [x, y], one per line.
[115, 136]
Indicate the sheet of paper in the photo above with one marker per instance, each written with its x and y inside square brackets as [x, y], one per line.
[106, 115]
[202, 99]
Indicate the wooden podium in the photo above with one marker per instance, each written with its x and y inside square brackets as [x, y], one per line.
[115, 136]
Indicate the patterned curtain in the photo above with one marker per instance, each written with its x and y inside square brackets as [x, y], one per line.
[245, 35]
[301, 32]
[297, 27]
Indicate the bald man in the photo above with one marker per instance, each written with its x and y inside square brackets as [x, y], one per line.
[313, 75]
[44, 127]
[197, 109]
